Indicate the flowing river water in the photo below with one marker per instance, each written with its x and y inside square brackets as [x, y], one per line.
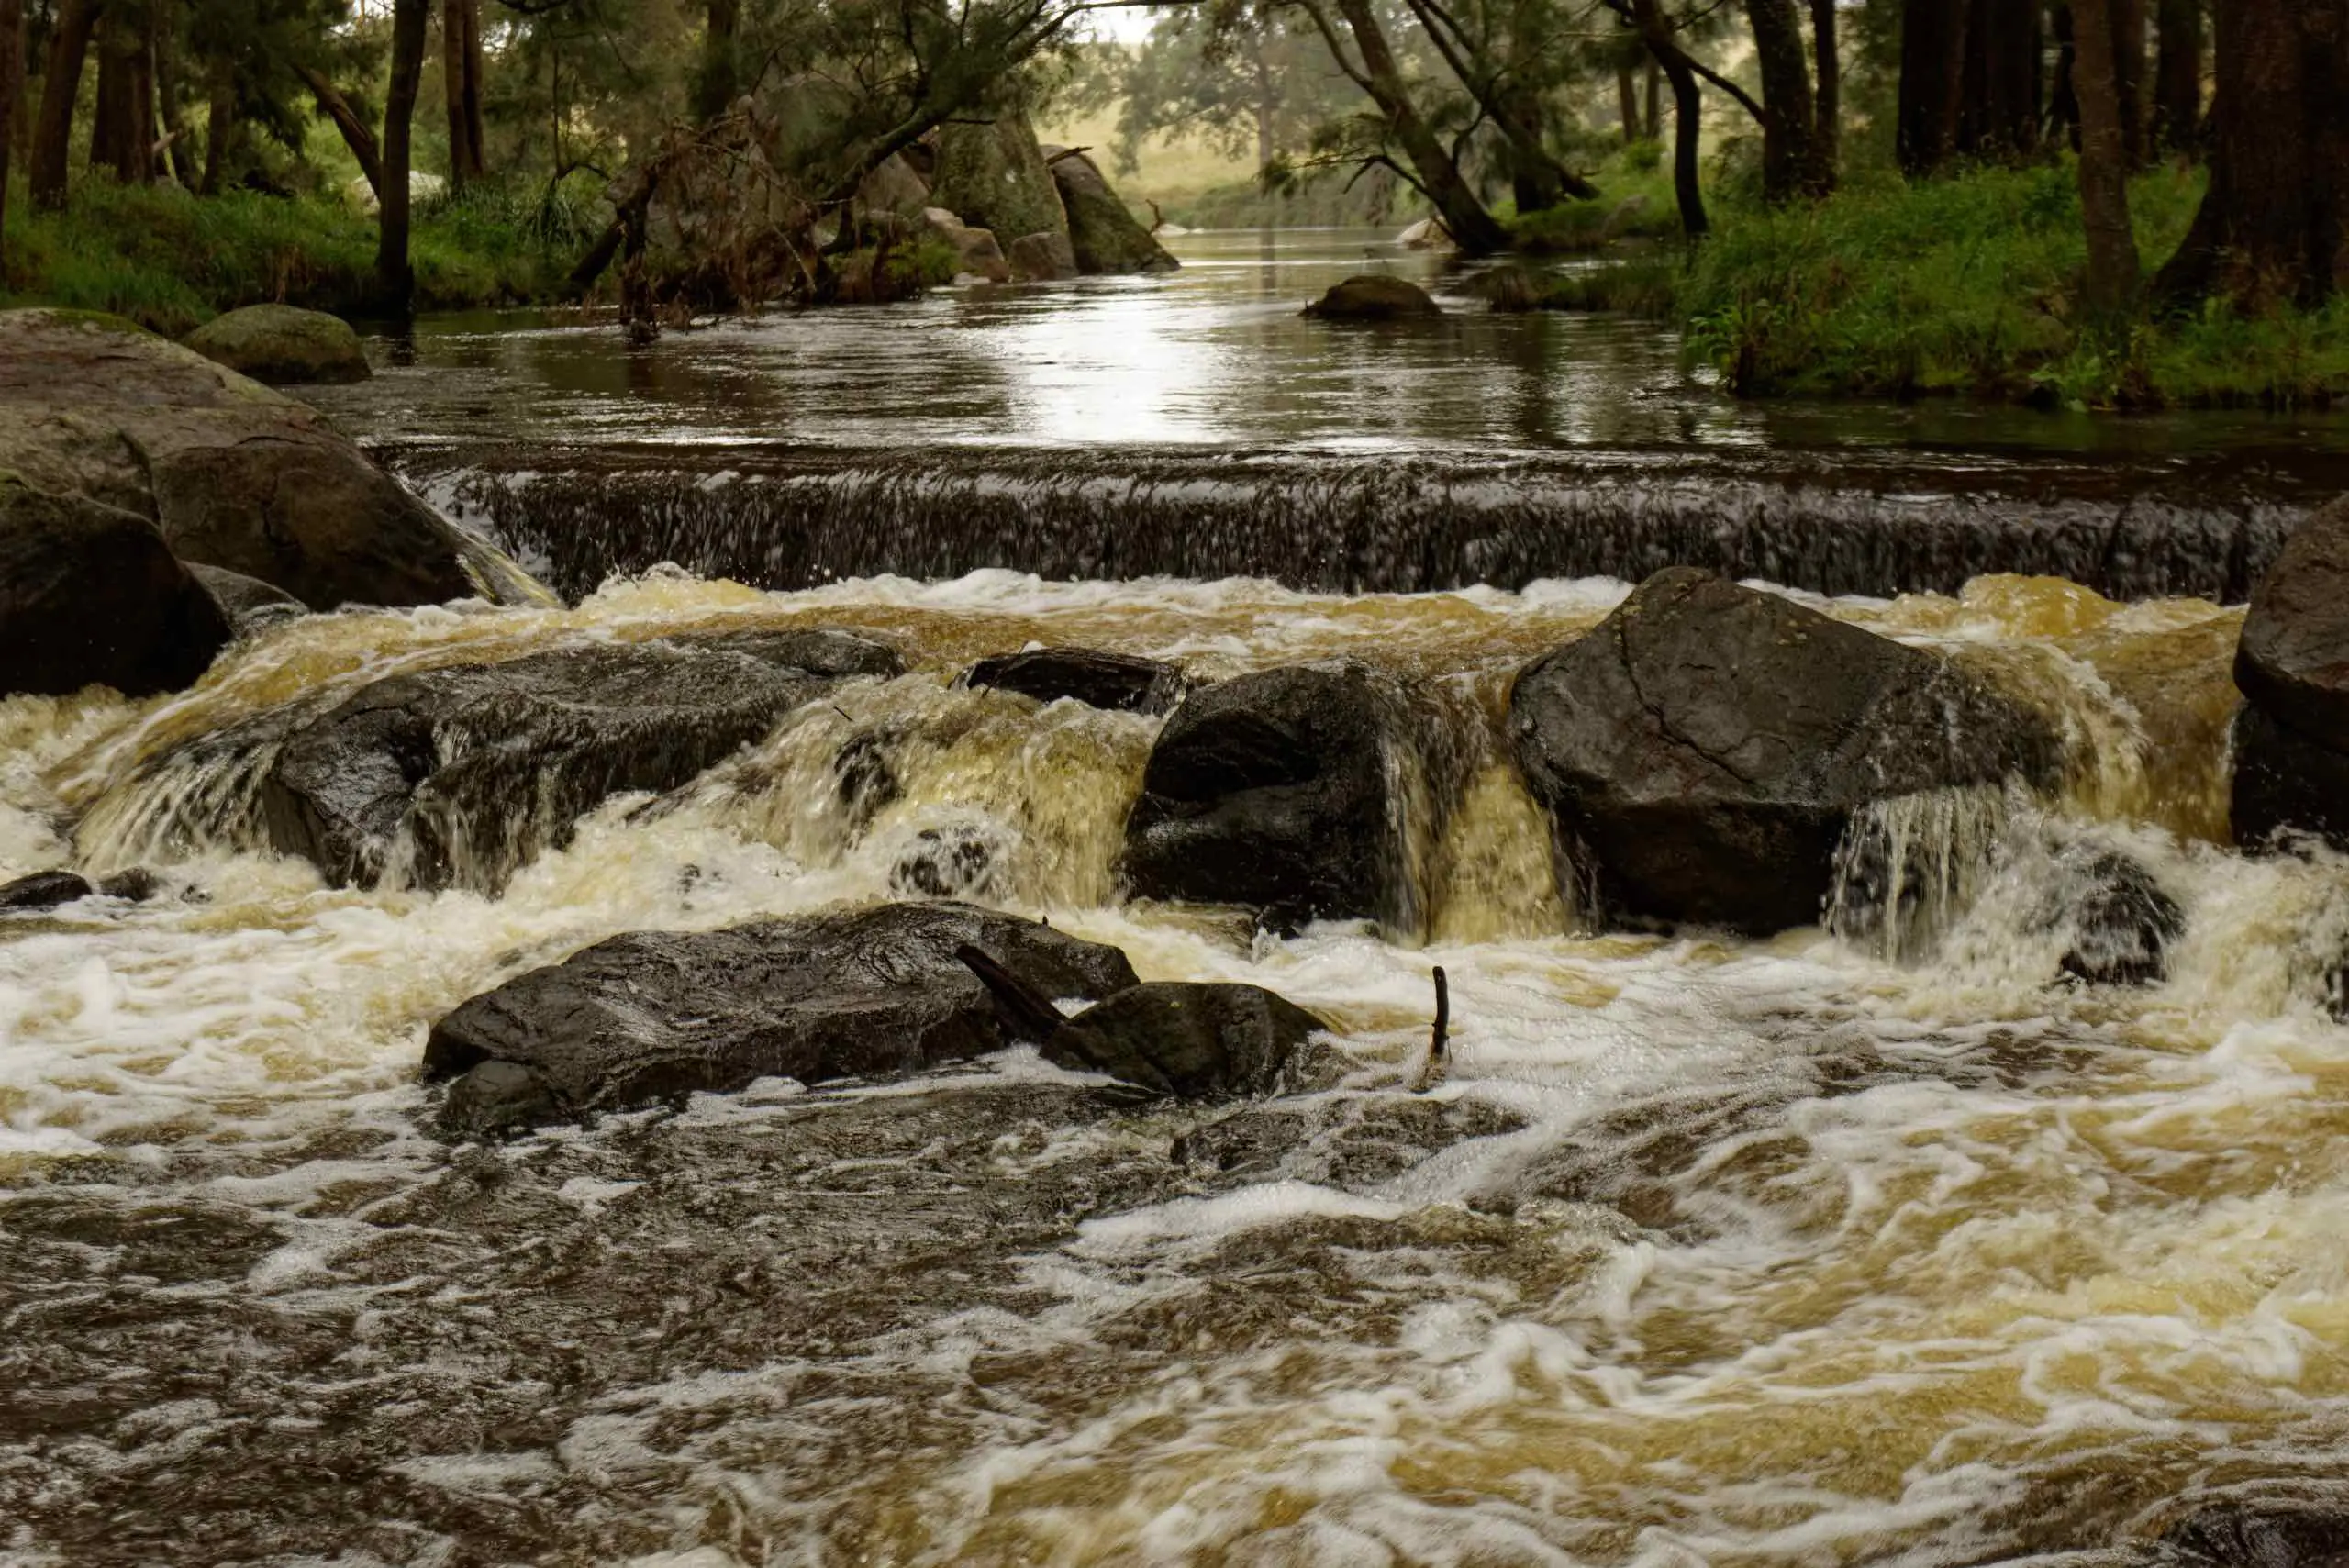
[1695, 1250]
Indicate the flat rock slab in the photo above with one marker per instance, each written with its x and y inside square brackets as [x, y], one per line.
[1704, 748]
[1118, 682]
[649, 1016]
[458, 776]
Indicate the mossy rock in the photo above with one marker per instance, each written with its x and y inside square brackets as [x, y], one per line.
[1374, 297]
[283, 346]
[1105, 236]
[994, 177]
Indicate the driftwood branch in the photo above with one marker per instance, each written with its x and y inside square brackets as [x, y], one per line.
[1030, 1012]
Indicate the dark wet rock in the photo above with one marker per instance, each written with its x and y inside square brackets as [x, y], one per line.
[2279, 1527]
[2123, 923]
[498, 1096]
[962, 862]
[249, 604]
[1103, 232]
[91, 595]
[474, 770]
[1191, 1041]
[1374, 297]
[231, 473]
[43, 890]
[993, 176]
[1704, 748]
[649, 1016]
[282, 345]
[1040, 259]
[1276, 791]
[1119, 681]
[136, 886]
[867, 779]
[2292, 743]
[1335, 1140]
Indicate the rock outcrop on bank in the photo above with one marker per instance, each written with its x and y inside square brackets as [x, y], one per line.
[1104, 234]
[1703, 749]
[646, 1016]
[229, 473]
[91, 595]
[1280, 791]
[457, 776]
[281, 346]
[2291, 741]
[992, 175]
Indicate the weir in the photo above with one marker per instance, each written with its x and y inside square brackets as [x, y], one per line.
[1863, 521]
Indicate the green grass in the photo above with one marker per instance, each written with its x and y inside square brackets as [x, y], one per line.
[1970, 285]
[170, 262]
[1634, 201]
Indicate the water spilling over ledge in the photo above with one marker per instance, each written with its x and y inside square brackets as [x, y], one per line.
[1873, 521]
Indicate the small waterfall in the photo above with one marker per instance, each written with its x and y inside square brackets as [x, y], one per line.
[794, 517]
[1908, 868]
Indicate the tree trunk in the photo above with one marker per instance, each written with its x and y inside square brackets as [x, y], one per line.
[1932, 66]
[1473, 229]
[1652, 111]
[2177, 76]
[461, 84]
[1687, 108]
[1627, 93]
[69, 47]
[356, 133]
[115, 142]
[1791, 167]
[2063, 100]
[2129, 81]
[410, 21]
[12, 92]
[1829, 65]
[170, 99]
[2001, 90]
[2275, 223]
[219, 131]
[2104, 164]
[720, 78]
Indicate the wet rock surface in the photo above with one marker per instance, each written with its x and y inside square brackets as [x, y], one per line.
[1374, 297]
[1104, 235]
[874, 992]
[90, 595]
[1703, 749]
[43, 890]
[2292, 741]
[281, 346]
[1118, 682]
[462, 774]
[2123, 923]
[1277, 791]
[230, 473]
[1191, 1041]
[250, 605]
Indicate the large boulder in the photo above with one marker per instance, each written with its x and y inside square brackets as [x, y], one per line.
[283, 346]
[459, 775]
[91, 595]
[1704, 748]
[1117, 681]
[650, 1016]
[1279, 791]
[893, 188]
[1374, 297]
[2292, 740]
[1104, 234]
[1191, 1041]
[231, 473]
[1041, 257]
[249, 603]
[977, 254]
[993, 174]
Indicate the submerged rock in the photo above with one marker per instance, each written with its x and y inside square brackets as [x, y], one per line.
[249, 604]
[1118, 682]
[1104, 236]
[2123, 923]
[1278, 791]
[1191, 1041]
[462, 775]
[282, 345]
[43, 890]
[1374, 297]
[650, 1016]
[2291, 744]
[230, 473]
[1704, 748]
[91, 595]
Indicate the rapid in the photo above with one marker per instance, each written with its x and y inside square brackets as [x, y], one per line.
[1869, 1243]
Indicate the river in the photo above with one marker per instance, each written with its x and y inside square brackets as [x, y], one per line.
[1696, 1250]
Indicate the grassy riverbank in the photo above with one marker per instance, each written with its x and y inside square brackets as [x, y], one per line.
[170, 262]
[1963, 286]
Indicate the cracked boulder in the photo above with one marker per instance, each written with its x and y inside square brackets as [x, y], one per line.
[458, 776]
[1702, 751]
[653, 1016]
